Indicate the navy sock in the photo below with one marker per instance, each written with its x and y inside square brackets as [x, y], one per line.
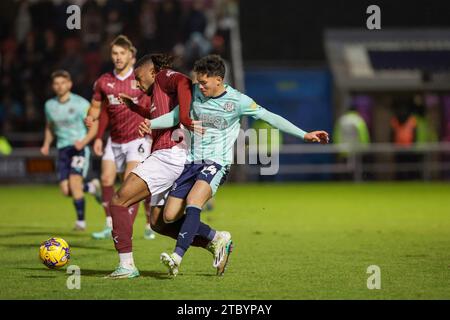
[206, 231]
[188, 229]
[79, 207]
[85, 187]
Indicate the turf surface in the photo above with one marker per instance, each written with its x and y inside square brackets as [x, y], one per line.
[292, 241]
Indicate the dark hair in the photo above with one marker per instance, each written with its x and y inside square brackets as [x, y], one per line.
[211, 65]
[160, 61]
[61, 73]
[122, 41]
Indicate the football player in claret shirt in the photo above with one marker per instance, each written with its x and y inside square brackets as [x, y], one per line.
[168, 90]
[219, 107]
[65, 114]
[124, 148]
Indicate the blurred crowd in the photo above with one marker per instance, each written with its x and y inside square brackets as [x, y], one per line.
[406, 120]
[34, 41]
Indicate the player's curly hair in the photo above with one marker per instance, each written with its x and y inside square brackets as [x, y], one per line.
[160, 61]
[212, 65]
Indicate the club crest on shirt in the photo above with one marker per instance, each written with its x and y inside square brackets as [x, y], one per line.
[71, 110]
[134, 85]
[229, 106]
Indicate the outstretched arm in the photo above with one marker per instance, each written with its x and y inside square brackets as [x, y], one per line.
[128, 101]
[248, 107]
[168, 120]
[284, 125]
[165, 121]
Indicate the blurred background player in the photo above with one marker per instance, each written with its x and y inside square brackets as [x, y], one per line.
[5, 146]
[124, 149]
[351, 129]
[65, 114]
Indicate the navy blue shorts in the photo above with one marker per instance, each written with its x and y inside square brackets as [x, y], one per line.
[213, 173]
[71, 161]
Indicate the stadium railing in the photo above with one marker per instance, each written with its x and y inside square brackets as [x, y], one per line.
[431, 161]
[377, 160]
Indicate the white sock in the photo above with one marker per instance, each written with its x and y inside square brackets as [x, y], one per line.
[148, 226]
[91, 187]
[126, 260]
[216, 236]
[81, 223]
[177, 258]
[109, 222]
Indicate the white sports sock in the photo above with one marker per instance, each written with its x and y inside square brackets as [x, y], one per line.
[177, 258]
[216, 236]
[91, 187]
[126, 260]
[81, 223]
[109, 222]
[148, 226]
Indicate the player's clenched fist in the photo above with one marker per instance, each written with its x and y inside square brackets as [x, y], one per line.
[45, 150]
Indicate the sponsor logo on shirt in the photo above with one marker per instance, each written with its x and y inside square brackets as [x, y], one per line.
[111, 84]
[134, 85]
[113, 100]
[213, 121]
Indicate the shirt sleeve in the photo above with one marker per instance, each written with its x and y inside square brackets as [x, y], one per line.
[173, 82]
[167, 120]
[250, 108]
[142, 108]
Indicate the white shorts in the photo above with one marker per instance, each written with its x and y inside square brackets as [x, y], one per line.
[160, 170]
[122, 153]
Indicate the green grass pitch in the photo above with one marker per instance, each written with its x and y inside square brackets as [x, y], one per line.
[292, 241]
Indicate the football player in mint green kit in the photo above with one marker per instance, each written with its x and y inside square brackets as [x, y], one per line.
[65, 115]
[219, 108]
